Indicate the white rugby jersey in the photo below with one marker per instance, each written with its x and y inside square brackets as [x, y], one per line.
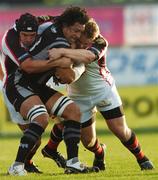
[95, 77]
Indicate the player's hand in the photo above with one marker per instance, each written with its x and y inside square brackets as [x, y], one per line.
[55, 53]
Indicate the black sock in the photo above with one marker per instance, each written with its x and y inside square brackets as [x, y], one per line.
[29, 139]
[71, 133]
[32, 152]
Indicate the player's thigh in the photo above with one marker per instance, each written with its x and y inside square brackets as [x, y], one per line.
[86, 106]
[63, 106]
[108, 101]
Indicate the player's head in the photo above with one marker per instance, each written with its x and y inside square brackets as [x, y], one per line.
[27, 27]
[72, 21]
[90, 33]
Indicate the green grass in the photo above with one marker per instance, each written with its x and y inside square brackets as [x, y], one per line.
[121, 164]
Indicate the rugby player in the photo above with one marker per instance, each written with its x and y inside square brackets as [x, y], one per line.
[96, 89]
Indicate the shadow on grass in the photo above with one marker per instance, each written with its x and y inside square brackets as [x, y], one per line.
[151, 130]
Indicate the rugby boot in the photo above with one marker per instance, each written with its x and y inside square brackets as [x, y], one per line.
[32, 168]
[17, 169]
[100, 161]
[55, 155]
[145, 164]
[73, 166]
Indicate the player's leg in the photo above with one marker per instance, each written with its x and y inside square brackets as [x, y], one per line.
[114, 115]
[88, 138]
[50, 149]
[23, 125]
[31, 108]
[91, 142]
[70, 112]
[117, 124]
[29, 165]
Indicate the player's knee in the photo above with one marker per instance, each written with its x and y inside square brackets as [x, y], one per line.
[64, 107]
[38, 114]
[72, 112]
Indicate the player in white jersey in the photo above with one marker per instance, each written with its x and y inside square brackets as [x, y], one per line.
[96, 90]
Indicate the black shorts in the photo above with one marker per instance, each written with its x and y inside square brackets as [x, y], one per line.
[19, 88]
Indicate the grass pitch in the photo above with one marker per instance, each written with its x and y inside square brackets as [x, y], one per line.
[120, 163]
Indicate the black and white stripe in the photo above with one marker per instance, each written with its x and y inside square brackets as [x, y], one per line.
[35, 111]
[60, 105]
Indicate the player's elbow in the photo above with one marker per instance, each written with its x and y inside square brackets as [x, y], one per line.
[27, 67]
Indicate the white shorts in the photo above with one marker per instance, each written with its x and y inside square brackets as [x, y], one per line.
[105, 99]
[15, 116]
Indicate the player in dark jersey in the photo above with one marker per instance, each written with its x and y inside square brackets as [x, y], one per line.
[26, 89]
[19, 39]
[27, 40]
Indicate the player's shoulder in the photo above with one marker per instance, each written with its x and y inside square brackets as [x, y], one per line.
[52, 30]
[51, 33]
[11, 38]
[11, 34]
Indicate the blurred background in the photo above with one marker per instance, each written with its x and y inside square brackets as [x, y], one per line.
[131, 28]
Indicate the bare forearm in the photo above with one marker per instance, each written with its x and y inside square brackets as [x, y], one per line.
[36, 66]
[79, 55]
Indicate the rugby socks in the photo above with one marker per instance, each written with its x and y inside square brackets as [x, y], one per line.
[55, 137]
[29, 139]
[71, 135]
[134, 147]
[32, 152]
[97, 149]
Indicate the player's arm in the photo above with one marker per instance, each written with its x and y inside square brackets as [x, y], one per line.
[95, 52]
[77, 55]
[36, 66]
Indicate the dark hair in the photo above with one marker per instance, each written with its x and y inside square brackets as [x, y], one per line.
[72, 15]
[27, 22]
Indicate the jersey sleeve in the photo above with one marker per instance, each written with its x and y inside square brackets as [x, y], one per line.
[99, 47]
[11, 47]
[50, 38]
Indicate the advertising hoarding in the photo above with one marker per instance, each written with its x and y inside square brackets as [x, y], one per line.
[133, 66]
[141, 25]
[110, 20]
